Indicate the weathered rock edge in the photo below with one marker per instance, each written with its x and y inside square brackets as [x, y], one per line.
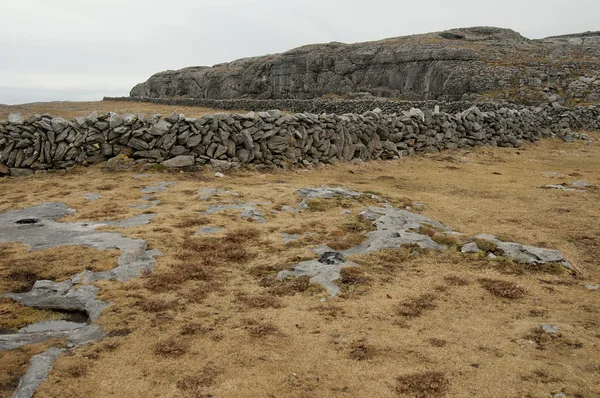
[273, 138]
[396, 228]
[38, 228]
[462, 63]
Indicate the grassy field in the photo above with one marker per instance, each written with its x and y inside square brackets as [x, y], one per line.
[211, 321]
[71, 110]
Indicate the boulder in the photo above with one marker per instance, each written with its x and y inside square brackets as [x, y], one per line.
[179, 161]
[16, 118]
[119, 163]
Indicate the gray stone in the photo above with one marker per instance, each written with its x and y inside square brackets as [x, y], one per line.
[208, 230]
[552, 174]
[247, 210]
[591, 287]
[16, 118]
[550, 329]
[179, 161]
[37, 227]
[119, 163]
[37, 373]
[328, 193]
[207, 193]
[470, 248]
[92, 197]
[220, 165]
[76, 337]
[52, 326]
[159, 187]
[4, 170]
[561, 187]
[21, 172]
[581, 184]
[527, 254]
[287, 238]
[142, 206]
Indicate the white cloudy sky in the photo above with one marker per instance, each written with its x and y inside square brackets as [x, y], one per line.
[82, 49]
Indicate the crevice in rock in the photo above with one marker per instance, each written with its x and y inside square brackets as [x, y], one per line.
[76, 296]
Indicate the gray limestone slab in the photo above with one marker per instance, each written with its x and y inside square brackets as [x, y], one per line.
[39, 366]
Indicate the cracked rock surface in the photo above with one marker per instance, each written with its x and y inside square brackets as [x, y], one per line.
[527, 254]
[38, 228]
[397, 228]
[247, 210]
[39, 366]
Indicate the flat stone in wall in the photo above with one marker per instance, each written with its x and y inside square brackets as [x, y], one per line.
[272, 138]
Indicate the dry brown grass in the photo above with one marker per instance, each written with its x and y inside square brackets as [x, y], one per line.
[416, 306]
[259, 301]
[196, 385]
[74, 109]
[19, 268]
[503, 289]
[353, 345]
[171, 347]
[424, 384]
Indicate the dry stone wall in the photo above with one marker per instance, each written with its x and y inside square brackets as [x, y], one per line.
[271, 138]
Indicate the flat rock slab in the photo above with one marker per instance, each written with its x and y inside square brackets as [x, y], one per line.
[208, 230]
[527, 254]
[562, 188]
[287, 238]
[52, 326]
[37, 227]
[135, 221]
[142, 206]
[247, 210]
[552, 174]
[328, 193]
[581, 184]
[397, 228]
[207, 193]
[140, 176]
[39, 366]
[550, 329]
[76, 337]
[179, 161]
[159, 187]
[92, 197]
[325, 270]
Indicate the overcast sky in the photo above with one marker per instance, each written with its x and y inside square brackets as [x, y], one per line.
[83, 50]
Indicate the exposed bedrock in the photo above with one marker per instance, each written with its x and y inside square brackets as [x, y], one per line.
[450, 65]
[398, 228]
[38, 228]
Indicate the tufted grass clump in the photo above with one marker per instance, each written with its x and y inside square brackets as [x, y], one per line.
[503, 289]
[428, 384]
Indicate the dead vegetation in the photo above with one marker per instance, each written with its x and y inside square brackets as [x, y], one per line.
[213, 320]
[416, 306]
[171, 347]
[503, 289]
[428, 384]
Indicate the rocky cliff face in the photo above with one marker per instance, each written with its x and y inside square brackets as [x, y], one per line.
[469, 63]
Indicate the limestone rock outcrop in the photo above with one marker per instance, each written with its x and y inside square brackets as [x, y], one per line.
[466, 63]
